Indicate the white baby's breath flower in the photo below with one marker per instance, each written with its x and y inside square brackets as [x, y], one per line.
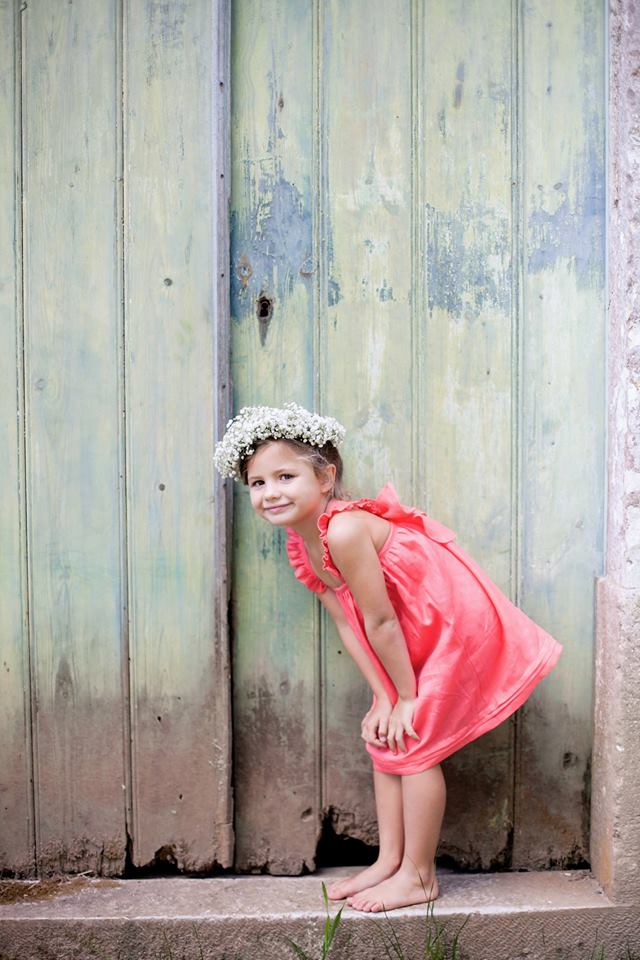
[291, 422]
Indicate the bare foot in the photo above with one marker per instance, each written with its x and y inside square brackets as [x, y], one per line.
[403, 889]
[374, 874]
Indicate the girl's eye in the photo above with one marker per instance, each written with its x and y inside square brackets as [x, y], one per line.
[255, 483]
[286, 476]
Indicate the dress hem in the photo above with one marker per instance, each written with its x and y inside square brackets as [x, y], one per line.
[505, 710]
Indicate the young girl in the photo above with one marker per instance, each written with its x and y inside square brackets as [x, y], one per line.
[446, 654]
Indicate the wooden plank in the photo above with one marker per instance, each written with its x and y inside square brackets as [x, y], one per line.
[365, 357]
[275, 671]
[465, 397]
[222, 496]
[563, 412]
[179, 674]
[16, 806]
[72, 432]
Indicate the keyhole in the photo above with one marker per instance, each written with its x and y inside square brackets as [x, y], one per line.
[264, 312]
[265, 308]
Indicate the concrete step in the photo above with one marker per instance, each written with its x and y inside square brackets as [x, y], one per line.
[537, 916]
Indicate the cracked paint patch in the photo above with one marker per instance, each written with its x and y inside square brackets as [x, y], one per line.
[468, 260]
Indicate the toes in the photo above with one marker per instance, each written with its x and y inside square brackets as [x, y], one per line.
[336, 892]
[362, 902]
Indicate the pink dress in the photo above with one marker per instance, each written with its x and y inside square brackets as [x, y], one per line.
[476, 656]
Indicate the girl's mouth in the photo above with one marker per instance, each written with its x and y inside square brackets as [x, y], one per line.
[280, 506]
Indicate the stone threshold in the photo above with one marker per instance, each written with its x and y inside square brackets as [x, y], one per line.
[502, 916]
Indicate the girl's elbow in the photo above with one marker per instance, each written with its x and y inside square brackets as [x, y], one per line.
[380, 624]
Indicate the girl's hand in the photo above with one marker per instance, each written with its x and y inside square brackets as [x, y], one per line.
[376, 722]
[401, 724]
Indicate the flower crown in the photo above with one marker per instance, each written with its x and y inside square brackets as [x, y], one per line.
[253, 424]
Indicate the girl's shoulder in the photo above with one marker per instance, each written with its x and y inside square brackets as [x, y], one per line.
[354, 515]
[386, 505]
[348, 526]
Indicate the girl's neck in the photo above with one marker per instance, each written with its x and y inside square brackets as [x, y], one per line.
[308, 529]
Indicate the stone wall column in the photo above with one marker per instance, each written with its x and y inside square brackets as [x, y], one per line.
[615, 807]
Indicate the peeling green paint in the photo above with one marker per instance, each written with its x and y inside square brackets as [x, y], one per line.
[270, 243]
[467, 259]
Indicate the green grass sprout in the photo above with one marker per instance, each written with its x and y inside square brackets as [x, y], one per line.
[331, 925]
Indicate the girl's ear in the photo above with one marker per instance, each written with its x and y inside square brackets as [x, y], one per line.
[328, 479]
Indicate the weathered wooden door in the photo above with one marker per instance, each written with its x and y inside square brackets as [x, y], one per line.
[114, 733]
[418, 249]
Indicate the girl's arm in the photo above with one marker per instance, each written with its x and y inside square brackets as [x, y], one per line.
[376, 722]
[353, 646]
[355, 555]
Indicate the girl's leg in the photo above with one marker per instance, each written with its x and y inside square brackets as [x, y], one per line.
[389, 808]
[423, 802]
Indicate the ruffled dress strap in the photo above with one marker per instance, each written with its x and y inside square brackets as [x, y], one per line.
[297, 553]
[388, 506]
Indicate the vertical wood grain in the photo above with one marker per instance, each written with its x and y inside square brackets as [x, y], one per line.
[71, 422]
[179, 676]
[563, 412]
[275, 670]
[434, 188]
[366, 353]
[16, 807]
[465, 416]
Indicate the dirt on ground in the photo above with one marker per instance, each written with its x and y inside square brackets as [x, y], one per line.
[21, 891]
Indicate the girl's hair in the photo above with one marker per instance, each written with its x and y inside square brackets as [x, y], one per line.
[319, 458]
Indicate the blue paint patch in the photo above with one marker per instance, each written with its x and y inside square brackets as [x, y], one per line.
[384, 292]
[270, 247]
[271, 229]
[458, 246]
[457, 95]
[334, 295]
[574, 234]
[562, 235]
[271, 233]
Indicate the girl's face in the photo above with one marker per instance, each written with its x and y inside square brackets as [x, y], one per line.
[284, 487]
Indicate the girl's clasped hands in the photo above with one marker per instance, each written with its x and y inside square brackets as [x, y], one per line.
[386, 725]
